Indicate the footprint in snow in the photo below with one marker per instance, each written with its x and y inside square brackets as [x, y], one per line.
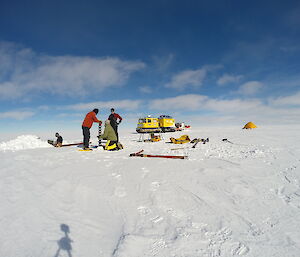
[157, 219]
[154, 186]
[116, 176]
[145, 172]
[108, 165]
[120, 192]
[143, 210]
[240, 250]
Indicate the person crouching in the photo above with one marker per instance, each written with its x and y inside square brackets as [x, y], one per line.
[111, 137]
[59, 140]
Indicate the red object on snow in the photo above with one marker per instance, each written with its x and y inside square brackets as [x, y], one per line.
[139, 154]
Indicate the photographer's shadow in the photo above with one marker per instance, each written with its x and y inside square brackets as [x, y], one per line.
[65, 242]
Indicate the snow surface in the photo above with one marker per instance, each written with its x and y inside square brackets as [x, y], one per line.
[240, 199]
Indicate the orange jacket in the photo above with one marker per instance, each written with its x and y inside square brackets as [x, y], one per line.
[89, 119]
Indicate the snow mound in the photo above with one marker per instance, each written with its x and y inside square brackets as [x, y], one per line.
[24, 142]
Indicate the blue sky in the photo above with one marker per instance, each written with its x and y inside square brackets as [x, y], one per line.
[204, 62]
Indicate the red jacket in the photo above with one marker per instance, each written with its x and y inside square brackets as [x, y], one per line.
[89, 119]
[117, 116]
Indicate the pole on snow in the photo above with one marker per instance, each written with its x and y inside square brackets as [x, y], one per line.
[139, 154]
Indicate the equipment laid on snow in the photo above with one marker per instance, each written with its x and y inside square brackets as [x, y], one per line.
[85, 150]
[226, 140]
[250, 125]
[195, 141]
[150, 137]
[153, 138]
[181, 140]
[51, 142]
[72, 144]
[204, 141]
[163, 123]
[179, 126]
[139, 154]
[180, 148]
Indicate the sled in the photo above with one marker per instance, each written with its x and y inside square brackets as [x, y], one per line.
[195, 141]
[181, 140]
[51, 142]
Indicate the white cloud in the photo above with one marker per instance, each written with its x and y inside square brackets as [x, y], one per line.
[226, 79]
[230, 111]
[9, 90]
[182, 102]
[187, 78]
[27, 73]
[287, 100]
[16, 115]
[190, 78]
[250, 88]
[194, 102]
[232, 105]
[117, 104]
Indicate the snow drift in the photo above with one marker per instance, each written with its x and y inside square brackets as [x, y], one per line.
[24, 142]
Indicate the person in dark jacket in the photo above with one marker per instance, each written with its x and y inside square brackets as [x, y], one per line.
[59, 140]
[89, 119]
[115, 120]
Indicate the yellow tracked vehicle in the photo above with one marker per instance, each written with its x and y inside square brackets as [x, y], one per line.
[166, 123]
[148, 124]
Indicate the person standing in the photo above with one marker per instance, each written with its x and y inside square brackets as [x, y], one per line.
[87, 124]
[115, 120]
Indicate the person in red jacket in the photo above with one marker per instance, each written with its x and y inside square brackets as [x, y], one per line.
[87, 124]
[115, 120]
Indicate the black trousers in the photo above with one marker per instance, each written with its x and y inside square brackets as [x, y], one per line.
[86, 136]
[115, 127]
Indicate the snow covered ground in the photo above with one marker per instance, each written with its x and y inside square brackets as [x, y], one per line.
[240, 199]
